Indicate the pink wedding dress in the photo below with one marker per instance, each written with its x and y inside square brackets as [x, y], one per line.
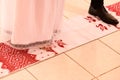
[30, 21]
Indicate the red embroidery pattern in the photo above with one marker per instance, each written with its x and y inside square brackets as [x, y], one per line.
[102, 27]
[49, 49]
[115, 8]
[60, 43]
[13, 59]
[90, 19]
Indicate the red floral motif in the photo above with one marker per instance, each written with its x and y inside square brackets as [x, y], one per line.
[102, 27]
[60, 43]
[90, 19]
[115, 8]
[49, 49]
[13, 59]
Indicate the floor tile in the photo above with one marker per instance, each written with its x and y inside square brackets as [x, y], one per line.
[69, 14]
[95, 57]
[113, 75]
[20, 75]
[109, 2]
[95, 79]
[59, 68]
[74, 8]
[113, 41]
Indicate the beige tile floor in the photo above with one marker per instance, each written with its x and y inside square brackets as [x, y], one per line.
[97, 60]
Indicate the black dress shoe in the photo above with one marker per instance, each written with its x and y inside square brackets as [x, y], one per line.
[103, 15]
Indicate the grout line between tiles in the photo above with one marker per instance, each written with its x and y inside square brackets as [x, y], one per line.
[79, 46]
[108, 71]
[31, 74]
[12, 73]
[90, 42]
[109, 47]
[95, 77]
[80, 65]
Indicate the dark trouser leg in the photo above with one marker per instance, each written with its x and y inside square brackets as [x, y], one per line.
[97, 3]
[97, 9]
